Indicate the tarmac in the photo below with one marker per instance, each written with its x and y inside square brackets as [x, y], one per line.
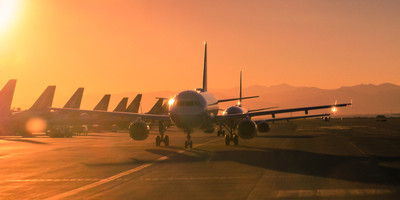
[304, 159]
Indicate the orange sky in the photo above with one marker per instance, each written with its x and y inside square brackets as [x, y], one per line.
[126, 45]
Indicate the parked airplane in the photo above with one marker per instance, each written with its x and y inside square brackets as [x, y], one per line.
[198, 109]
[231, 125]
[6, 96]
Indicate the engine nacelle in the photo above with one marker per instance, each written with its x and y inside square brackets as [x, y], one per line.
[138, 130]
[263, 127]
[247, 129]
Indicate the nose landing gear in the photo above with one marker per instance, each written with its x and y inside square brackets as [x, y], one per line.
[188, 142]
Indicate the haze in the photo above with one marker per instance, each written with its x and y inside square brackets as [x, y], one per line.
[121, 46]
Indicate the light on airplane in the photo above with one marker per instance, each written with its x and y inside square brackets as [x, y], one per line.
[334, 109]
[171, 102]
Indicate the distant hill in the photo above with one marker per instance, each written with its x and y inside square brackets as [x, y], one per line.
[367, 98]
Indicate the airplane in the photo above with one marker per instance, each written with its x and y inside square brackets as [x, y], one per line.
[191, 110]
[6, 96]
[232, 124]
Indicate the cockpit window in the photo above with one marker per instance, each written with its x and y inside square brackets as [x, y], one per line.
[188, 103]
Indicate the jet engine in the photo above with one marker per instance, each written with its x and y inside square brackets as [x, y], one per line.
[263, 127]
[138, 130]
[247, 129]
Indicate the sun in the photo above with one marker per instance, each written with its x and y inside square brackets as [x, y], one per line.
[8, 12]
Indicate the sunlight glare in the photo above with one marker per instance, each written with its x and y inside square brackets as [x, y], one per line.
[8, 12]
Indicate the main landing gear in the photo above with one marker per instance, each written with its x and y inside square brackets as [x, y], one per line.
[231, 136]
[162, 137]
[188, 142]
[221, 131]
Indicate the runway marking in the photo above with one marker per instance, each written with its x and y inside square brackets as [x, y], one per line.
[196, 178]
[117, 176]
[331, 193]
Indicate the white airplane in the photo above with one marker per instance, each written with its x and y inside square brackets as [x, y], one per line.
[198, 109]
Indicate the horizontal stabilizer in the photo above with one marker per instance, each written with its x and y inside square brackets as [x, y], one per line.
[260, 109]
[235, 99]
[45, 100]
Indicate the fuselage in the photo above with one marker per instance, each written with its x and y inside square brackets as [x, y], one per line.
[193, 109]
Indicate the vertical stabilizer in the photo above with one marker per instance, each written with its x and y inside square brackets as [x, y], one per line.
[204, 89]
[157, 108]
[45, 100]
[6, 96]
[121, 107]
[103, 104]
[240, 89]
[135, 104]
[75, 100]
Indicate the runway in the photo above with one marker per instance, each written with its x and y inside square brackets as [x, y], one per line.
[349, 159]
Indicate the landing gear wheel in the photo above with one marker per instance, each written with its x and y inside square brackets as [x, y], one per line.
[186, 144]
[219, 133]
[227, 139]
[235, 139]
[158, 140]
[191, 144]
[166, 140]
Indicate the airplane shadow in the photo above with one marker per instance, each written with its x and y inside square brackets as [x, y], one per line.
[287, 136]
[350, 168]
[23, 140]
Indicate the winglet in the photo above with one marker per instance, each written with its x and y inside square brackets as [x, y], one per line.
[75, 100]
[103, 104]
[45, 100]
[6, 96]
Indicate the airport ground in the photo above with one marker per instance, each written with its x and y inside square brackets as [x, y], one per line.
[340, 159]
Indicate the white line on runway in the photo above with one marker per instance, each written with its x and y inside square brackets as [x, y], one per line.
[330, 193]
[117, 176]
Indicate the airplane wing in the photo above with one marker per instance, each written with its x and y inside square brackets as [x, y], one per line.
[118, 114]
[273, 112]
[290, 118]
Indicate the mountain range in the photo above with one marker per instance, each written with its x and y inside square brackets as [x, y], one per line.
[366, 98]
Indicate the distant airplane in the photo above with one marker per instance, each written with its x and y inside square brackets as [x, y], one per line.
[231, 125]
[198, 109]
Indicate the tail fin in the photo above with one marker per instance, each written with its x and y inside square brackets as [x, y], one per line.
[45, 100]
[103, 104]
[121, 107]
[75, 100]
[204, 89]
[240, 90]
[156, 109]
[135, 104]
[6, 96]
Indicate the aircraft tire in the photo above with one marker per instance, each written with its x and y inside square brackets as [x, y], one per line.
[158, 140]
[235, 139]
[166, 140]
[227, 139]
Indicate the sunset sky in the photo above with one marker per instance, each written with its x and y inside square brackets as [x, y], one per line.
[118, 46]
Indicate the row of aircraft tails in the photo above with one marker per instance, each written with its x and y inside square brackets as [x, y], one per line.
[188, 110]
[21, 122]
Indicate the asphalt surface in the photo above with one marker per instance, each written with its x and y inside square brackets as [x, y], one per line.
[349, 159]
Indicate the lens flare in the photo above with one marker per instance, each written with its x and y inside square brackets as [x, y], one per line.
[36, 125]
[334, 109]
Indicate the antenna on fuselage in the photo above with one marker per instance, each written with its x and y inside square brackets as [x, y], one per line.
[204, 89]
